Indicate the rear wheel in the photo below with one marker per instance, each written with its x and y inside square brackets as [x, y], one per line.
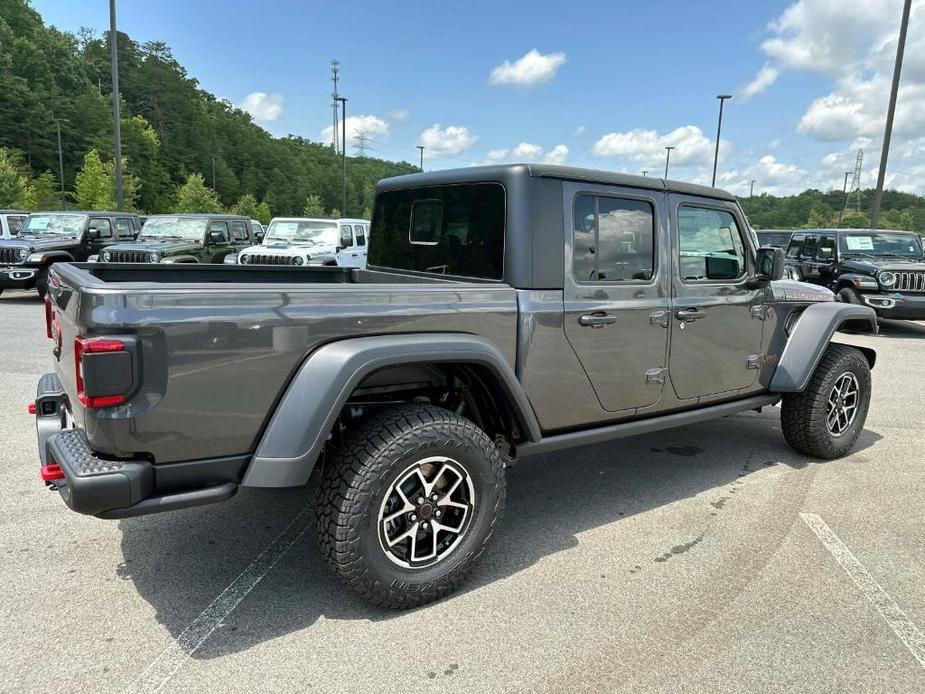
[825, 420]
[408, 504]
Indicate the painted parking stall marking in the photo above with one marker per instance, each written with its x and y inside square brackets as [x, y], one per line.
[892, 614]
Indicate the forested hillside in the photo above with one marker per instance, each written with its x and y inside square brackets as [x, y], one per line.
[815, 209]
[170, 129]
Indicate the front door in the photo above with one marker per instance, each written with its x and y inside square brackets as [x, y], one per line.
[716, 334]
[103, 237]
[347, 251]
[216, 249]
[616, 291]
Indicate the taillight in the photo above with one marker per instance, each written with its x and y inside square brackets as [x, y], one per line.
[95, 345]
[49, 315]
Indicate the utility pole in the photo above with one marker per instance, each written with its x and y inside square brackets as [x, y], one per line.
[335, 74]
[421, 147]
[60, 162]
[645, 172]
[213, 175]
[361, 142]
[343, 124]
[667, 159]
[751, 189]
[891, 109]
[116, 125]
[719, 127]
[844, 191]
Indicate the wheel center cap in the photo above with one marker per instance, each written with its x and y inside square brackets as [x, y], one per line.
[426, 510]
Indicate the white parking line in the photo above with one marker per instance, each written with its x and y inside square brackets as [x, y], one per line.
[172, 658]
[899, 622]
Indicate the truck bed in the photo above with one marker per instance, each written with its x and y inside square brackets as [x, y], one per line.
[219, 344]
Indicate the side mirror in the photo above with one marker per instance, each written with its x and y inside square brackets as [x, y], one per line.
[258, 235]
[93, 233]
[769, 265]
[216, 237]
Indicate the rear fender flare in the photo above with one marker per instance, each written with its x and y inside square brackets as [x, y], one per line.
[304, 417]
[810, 337]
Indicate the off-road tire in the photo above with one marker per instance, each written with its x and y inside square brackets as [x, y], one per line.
[847, 295]
[41, 282]
[361, 472]
[803, 415]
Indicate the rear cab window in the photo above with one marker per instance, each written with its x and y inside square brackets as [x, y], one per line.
[450, 230]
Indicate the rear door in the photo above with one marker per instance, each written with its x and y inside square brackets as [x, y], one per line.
[616, 291]
[240, 239]
[716, 334]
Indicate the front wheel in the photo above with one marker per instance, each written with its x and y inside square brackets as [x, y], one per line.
[847, 295]
[825, 420]
[41, 282]
[408, 504]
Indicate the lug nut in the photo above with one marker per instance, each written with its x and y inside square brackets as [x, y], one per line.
[412, 517]
[437, 513]
[433, 497]
[424, 525]
[420, 499]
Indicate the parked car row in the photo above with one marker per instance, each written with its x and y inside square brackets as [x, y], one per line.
[32, 243]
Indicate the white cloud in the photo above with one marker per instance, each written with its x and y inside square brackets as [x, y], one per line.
[647, 147]
[453, 139]
[400, 115]
[580, 130]
[371, 125]
[557, 155]
[770, 176]
[763, 79]
[530, 69]
[263, 106]
[527, 152]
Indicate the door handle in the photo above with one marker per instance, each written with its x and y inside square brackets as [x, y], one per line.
[598, 319]
[689, 315]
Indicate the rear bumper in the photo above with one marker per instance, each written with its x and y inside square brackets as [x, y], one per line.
[107, 488]
[895, 305]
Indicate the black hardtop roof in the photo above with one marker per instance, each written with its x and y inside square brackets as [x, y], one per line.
[803, 232]
[104, 213]
[505, 172]
[198, 215]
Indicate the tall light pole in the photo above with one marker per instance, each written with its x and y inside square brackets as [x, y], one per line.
[719, 128]
[891, 109]
[343, 125]
[844, 190]
[667, 158]
[421, 147]
[60, 162]
[116, 118]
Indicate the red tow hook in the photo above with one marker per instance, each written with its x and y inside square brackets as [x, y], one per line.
[51, 472]
[31, 408]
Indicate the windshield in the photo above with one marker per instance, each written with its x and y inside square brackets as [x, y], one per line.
[173, 227]
[881, 244]
[54, 225]
[309, 232]
[774, 238]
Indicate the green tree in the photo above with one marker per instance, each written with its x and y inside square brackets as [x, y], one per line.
[246, 206]
[42, 193]
[12, 181]
[262, 213]
[194, 196]
[313, 206]
[335, 213]
[94, 190]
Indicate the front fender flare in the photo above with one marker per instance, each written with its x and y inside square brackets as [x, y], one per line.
[305, 415]
[809, 339]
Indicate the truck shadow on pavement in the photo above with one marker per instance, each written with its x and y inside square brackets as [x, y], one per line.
[180, 562]
[902, 329]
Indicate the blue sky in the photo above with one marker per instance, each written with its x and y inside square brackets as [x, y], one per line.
[599, 84]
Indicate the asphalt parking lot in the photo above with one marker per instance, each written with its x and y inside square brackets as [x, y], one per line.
[706, 559]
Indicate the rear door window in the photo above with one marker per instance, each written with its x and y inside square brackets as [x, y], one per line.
[613, 239]
[454, 230]
[124, 228]
[360, 231]
[239, 230]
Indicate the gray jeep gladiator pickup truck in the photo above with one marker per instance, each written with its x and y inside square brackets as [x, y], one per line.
[506, 311]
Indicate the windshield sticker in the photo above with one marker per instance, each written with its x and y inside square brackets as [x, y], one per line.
[860, 243]
[285, 227]
[39, 223]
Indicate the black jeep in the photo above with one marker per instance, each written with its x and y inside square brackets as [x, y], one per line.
[184, 238]
[50, 237]
[881, 269]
